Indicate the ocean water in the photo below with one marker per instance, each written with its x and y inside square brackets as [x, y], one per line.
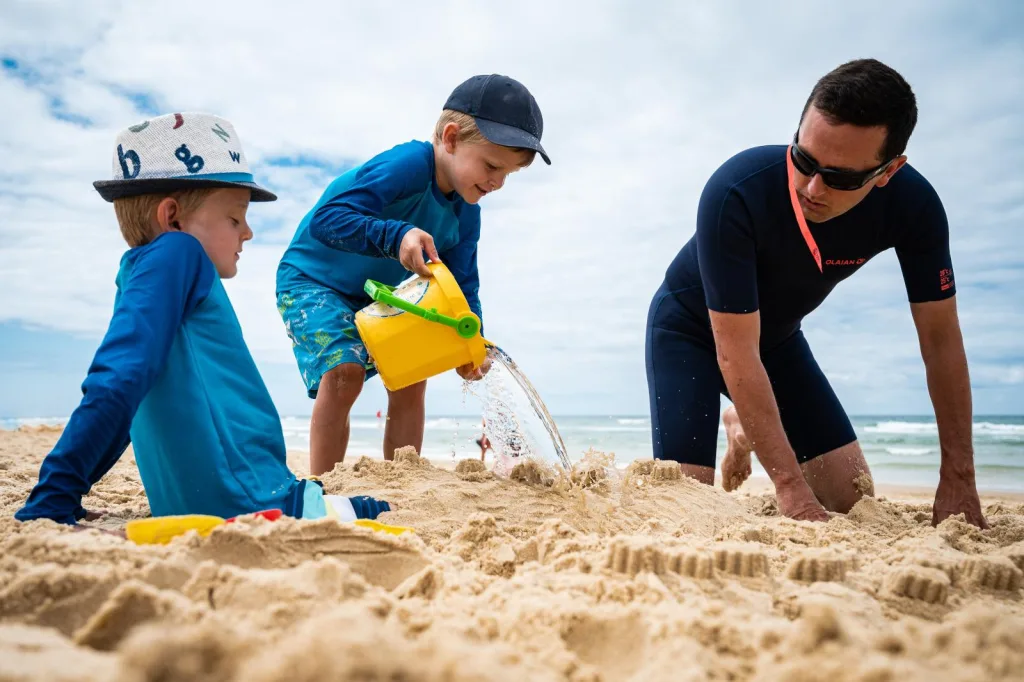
[899, 450]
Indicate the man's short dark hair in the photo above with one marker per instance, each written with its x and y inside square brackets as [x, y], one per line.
[866, 92]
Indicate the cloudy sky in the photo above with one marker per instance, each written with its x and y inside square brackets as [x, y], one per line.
[641, 103]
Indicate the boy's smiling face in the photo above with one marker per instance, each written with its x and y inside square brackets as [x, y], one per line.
[475, 169]
[220, 226]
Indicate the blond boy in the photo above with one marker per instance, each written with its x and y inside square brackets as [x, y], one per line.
[173, 375]
[382, 220]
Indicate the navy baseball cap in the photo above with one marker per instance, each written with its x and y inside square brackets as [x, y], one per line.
[504, 110]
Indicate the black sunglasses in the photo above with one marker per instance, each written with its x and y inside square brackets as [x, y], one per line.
[843, 180]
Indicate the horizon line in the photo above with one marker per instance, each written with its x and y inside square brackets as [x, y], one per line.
[373, 415]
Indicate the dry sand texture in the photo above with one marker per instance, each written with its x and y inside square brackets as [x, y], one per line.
[650, 577]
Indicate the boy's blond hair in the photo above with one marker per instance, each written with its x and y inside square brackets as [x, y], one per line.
[469, 133]
[137, 215]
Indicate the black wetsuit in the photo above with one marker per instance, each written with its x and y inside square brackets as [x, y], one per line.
[750, 254]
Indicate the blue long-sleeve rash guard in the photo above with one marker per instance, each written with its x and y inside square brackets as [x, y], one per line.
[354, 231]
[174, 377]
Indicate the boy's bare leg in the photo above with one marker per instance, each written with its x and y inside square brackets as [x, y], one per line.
[406, 415]
[329, 427]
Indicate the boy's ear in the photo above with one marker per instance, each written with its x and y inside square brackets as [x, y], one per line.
[168, 213]
[450, 136]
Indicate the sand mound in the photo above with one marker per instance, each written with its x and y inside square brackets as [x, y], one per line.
[590, 575]
[35, 653]
[470, 466]
[131, 605]
[382, 559]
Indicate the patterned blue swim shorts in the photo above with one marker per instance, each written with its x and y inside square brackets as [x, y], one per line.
[323, 333]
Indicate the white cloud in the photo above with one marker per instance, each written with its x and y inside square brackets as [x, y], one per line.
[641, 104]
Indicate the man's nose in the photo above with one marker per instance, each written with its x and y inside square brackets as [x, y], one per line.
[816, 187]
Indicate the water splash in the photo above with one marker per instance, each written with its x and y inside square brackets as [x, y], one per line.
[509, 439]
[497, 354]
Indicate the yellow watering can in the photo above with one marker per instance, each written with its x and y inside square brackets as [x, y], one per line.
[420, 329]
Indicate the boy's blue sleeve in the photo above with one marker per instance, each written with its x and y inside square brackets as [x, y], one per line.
[351, 220]
[166, 284]
[461, 258]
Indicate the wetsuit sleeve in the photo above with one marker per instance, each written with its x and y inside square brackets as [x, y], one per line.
[166, 284]
[461, 258]
[726, 250]
[351, 220]
[923, 252]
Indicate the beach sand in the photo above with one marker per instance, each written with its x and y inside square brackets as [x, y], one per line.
[643, 576]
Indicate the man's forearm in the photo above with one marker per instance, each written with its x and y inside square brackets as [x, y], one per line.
[751, 393]
[949, 386]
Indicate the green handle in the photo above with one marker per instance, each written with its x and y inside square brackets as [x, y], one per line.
[466, 326]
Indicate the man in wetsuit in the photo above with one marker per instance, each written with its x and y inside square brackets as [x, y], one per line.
[778, 227]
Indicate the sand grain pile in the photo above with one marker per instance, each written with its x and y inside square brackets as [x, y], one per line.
[639, 576]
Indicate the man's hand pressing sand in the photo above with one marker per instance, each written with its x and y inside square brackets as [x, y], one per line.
[797, 501]
[795, 498]
[958, 495]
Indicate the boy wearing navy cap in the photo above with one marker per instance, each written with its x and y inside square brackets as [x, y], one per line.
[376, 222]
[173, 375]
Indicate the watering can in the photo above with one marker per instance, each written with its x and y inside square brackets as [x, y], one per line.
[420, 329]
